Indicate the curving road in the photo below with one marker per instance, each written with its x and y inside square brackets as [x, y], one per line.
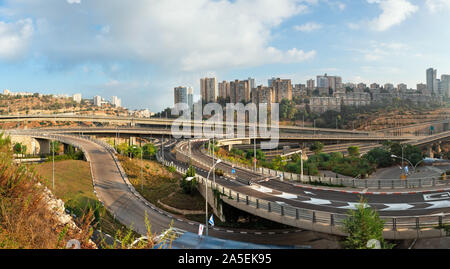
[116, 196]
[296, 195]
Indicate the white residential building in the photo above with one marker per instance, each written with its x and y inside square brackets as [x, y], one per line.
[77, 97]
[115, 101]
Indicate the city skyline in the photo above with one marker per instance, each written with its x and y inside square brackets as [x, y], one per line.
[113, 55]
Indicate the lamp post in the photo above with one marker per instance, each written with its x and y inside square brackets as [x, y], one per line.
[206, 193]
[394, 156]
[301, 165]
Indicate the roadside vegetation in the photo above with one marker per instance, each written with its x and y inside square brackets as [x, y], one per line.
[161, 185]
[351, 164]
[28, 221]
[361, 226]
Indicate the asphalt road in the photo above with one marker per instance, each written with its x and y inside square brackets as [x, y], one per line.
[118, 199]
[335, 202]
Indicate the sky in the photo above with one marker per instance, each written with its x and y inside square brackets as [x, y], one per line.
[140, 50]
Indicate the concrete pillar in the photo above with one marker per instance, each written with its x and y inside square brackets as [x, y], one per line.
[430, 151]
[230, 147]
[132, 141]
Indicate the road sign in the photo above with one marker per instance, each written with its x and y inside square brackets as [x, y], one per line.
[211, 220]
[200, 229]
[233, 171]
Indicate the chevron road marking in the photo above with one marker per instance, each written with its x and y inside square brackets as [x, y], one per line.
[438, 204]
[396, 207]
[315, 201]
[352, 206]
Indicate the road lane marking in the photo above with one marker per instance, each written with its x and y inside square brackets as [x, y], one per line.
[316, 201]
[436, 196]
[353, 206]
[438, 204]
[397, 207]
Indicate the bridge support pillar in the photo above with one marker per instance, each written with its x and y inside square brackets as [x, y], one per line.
[132, 141]
[213, 199]
[430, 151]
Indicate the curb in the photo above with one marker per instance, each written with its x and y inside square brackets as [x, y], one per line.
[371, 192]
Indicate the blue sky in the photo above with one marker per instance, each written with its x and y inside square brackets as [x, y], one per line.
[140, 50]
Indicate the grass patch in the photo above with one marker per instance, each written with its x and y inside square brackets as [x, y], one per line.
[160, 183]
[185, 202]
[73, 185]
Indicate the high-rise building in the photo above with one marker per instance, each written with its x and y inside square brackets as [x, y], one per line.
[251, 83]
[310, 84]
[240, 91]
[190, 95]
[282, 89]
[270, 81]
[208, 89]
[115, 101]
[298, 90]
[77, 97]
[374, 86]
[322, 82]
[422, 88]
[389, 87]
[97, 100]
[327, 82]
[431, 80]
[224, 89]
[402, 87]
[445, 85]
[262, 95]
[180, 95]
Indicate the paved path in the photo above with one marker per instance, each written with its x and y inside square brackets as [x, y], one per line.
[130, 210]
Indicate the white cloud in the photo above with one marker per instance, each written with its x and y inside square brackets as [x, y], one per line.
[15, 38]
[393, 13]
[74, 1]
[308, 27]
[195, 35]
[437, 5]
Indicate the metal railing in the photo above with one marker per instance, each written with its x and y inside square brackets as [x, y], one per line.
[290, 214]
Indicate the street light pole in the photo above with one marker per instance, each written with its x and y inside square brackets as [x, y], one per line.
[206, 195]
[301, 165]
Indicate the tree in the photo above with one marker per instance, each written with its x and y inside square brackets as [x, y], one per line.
[317, 147]
[17, 148]
[54, 147]
[188, 186]
[353, 151]
[380, 157]
[362, 225]
[278, 163]
[149, 150]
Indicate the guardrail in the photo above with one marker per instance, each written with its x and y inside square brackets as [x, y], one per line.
[379, 184]
[396, 227]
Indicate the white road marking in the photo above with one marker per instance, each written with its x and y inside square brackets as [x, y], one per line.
[397, 207]
[280, 203]
[315, 201]
[436, 196]
[439, 204]
[310, 193]
[352, 206]
[261, 189]
[287, 196]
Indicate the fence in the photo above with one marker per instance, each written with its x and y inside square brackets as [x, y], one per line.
[379, 184]
[399, 226]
